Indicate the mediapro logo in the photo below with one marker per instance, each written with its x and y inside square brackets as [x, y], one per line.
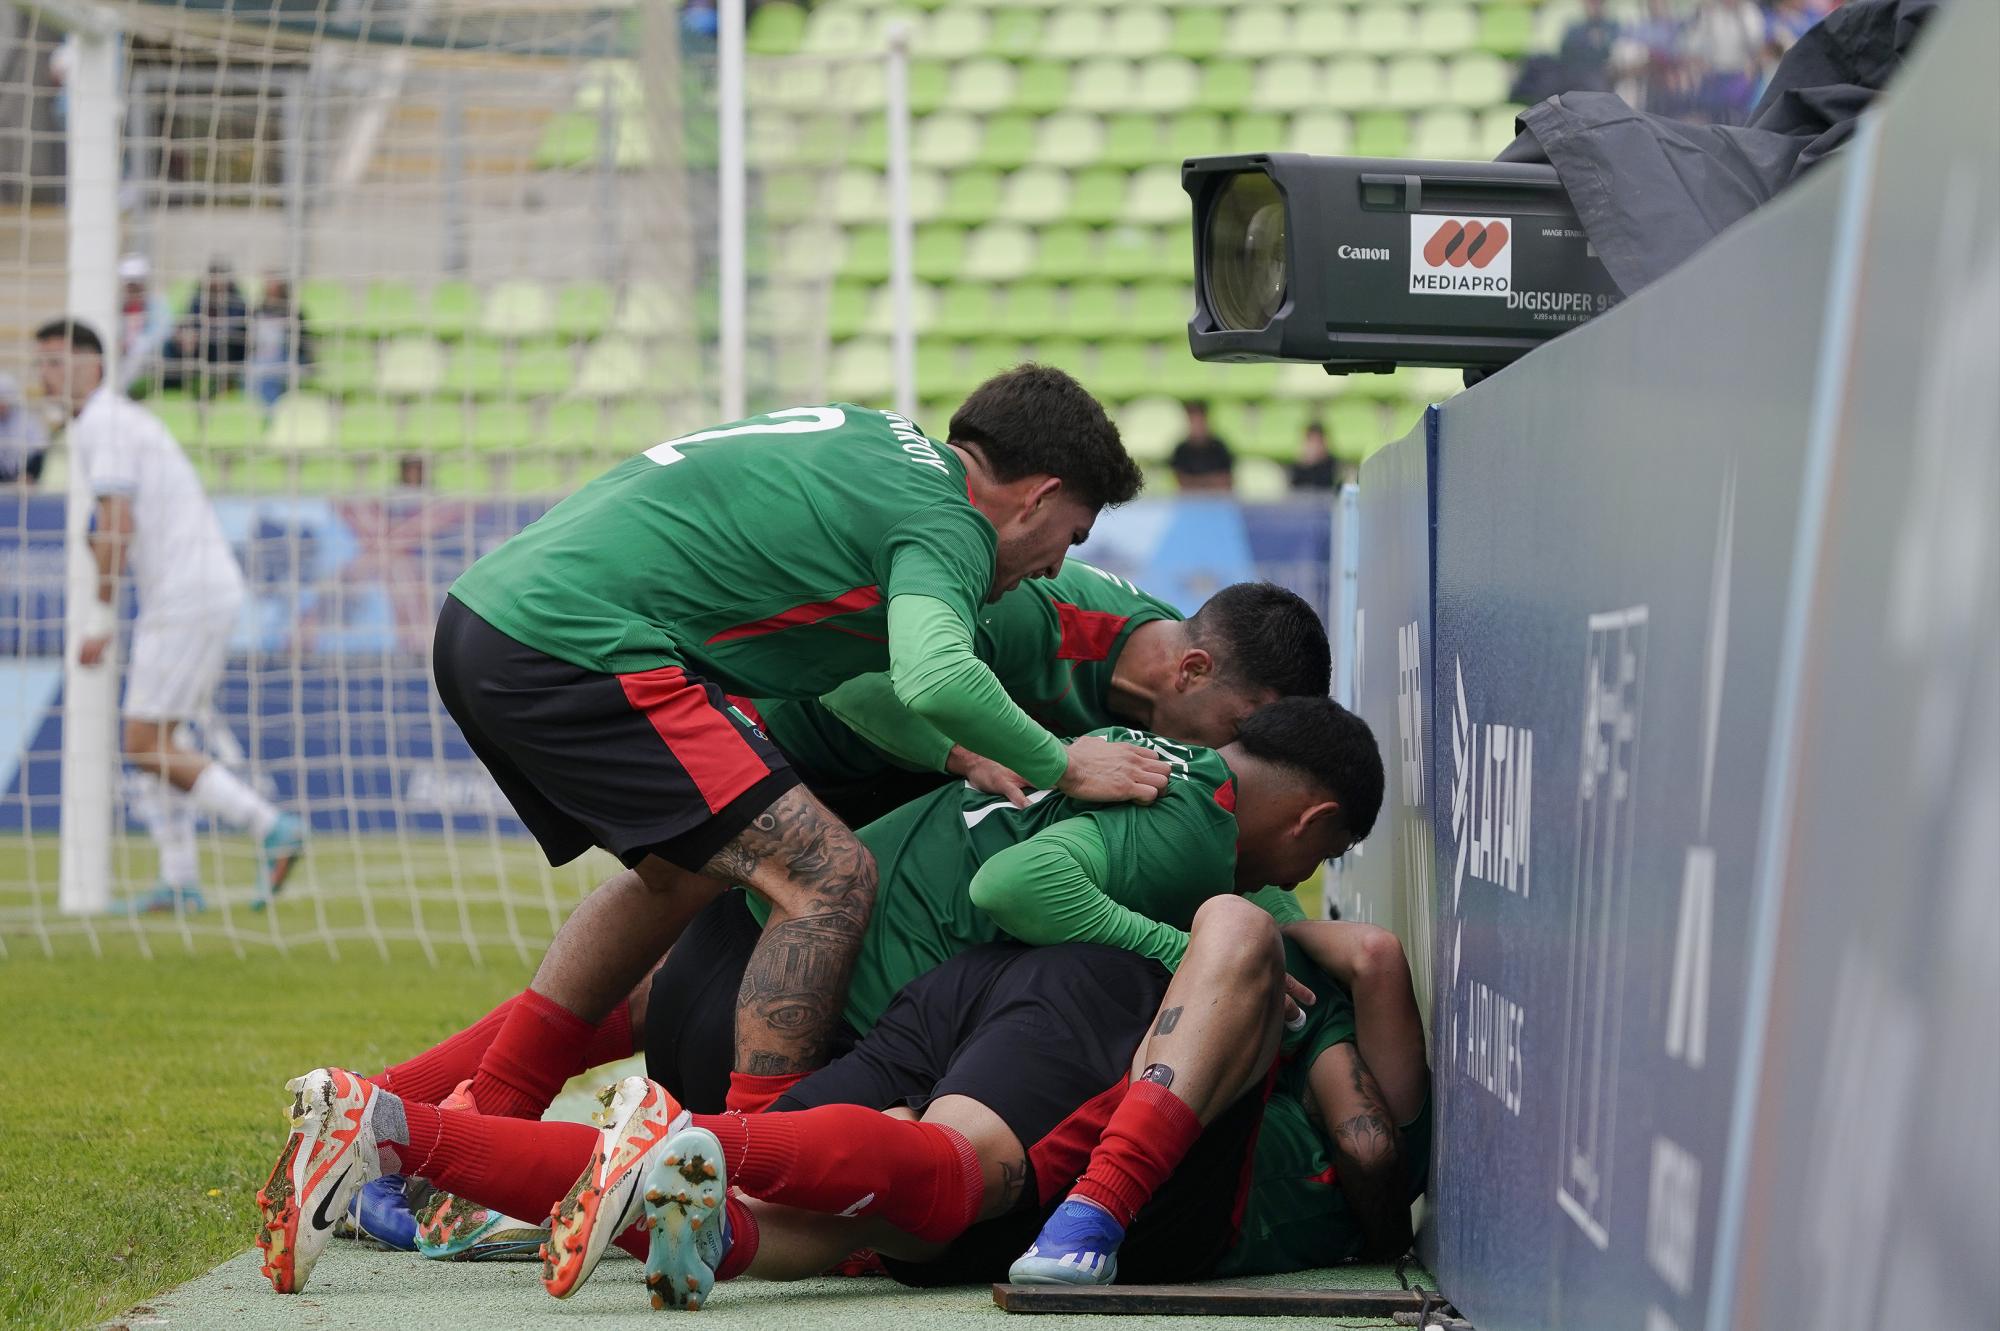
[1461, 256]
[1492, 798]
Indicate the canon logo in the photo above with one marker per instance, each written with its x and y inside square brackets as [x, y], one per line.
[1356, 252]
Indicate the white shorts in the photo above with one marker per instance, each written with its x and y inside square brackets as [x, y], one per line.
[177, 661]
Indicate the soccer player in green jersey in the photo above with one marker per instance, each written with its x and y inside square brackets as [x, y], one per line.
[1078, 651]
[586, 660]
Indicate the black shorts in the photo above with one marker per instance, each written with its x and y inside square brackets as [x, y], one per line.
[691, 1010]
[653, 763]
[1044, 1037]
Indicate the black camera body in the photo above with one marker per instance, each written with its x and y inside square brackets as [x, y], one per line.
[1364, 264]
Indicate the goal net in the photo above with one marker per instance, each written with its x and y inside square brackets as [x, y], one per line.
[397, 274]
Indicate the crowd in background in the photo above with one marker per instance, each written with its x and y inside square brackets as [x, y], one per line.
[1706, 62]
[219, 343]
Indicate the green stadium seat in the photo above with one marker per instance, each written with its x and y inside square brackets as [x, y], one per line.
[1156, 196]
[1015, 34]
[952, 33]
[1308, 382]
[328, 305]
[1140, 30]
[1195, 134]
[1009, 142]
[859, 195]
[1198, 33]
[1506, 29]
[940, 248]
[502, 427]
[882, 309]
[610, 82]
[1446, 29]
[1131, 141]
[1126, 369]
[453, 310]
[770, 139]
[1130, 253]
[805, 87]
[517, 309]
[578, 425]
[1446, 133]
[1069, 139]
[836, 30]
[1260, 480]
[796, 196]
[931, 86]
[543, 369]
[390, 307]
[866, 251]
[366, 427]
[1353, 83]
[937, 366]
[344, 366]
[1001, 252]
[1035, 195]
[1328, 133]
[412, 365]
[869, 144]
[1225, 86]
[861, 371]
[1289, 83]
[634, 427]
[1077, 32]
[1256, 132]
[1041, 86]
[1413, 82]
[1094, 310]
[1098, 195]
[1161, 309]
[776, 28]
[1354, 428]
[1067, 252]
[1497, 130]
[583, 309]
[299, 422]
[264, 473]
[651, 309]
[435, 426]
[612, 368]
[985, 85]
[1280, 429]
[180, 414]
[1028, 309]
[1477, 80]
[569, 142]
[1258, 30]
[1104, 84]
[986, 358]
[1150, 426]
[1322, 30]
[1383, 30]
[533, 476]
[478, 369]
[967, 309]
[1381, 134]
[948, 139]
[1166, 84]
[974, 196]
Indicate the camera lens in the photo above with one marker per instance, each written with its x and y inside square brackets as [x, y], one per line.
[1246, 253]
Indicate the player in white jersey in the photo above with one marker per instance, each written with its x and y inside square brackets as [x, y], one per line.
[153, 521]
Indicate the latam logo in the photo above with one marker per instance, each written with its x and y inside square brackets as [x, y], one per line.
[1461, 256]
[1492, 799]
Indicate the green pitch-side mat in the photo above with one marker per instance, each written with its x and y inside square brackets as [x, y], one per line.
[355, 1289]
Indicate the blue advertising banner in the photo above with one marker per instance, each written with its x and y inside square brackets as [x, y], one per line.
[1614, 535]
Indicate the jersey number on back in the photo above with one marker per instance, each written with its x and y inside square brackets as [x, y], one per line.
[793, 420]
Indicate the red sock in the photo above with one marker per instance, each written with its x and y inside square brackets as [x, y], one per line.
[521, 1169]
[430, 1076]
[535, 1052]
[753, 1095]
[611, 1041]
[922, 1178]
[742, 1240]
[1148, 1136]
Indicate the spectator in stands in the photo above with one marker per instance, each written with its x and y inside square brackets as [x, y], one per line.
[146, 325]
[1314, 469]
[208, 346]
[279, 341]
[1202, 462]
[1586, 50]
[1723, 46]
[23, 437]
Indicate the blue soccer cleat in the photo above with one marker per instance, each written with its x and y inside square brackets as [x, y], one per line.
[687, 1221]
[277, 855]
[169, 899]
[457, 1229]
[1078, 1245]
[381, 1213]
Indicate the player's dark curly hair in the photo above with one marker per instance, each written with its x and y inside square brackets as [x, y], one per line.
[1327, 744]
[1034, 420]
[1265, 637]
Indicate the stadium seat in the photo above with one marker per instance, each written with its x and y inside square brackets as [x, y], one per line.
[974, 196]
[1328, 133]
[517, 309]
[1139, 30]
[1260, 479]
[344, 366]
[542, 369]
[1413, 82]
[1150, 427]
[1094, 309]
[390, 307]
[1256, 132]
[1009, 142]
[1195, 134]
[612, 368]
[937, 367]
[1476, 80]
[1496, 129]
[1354, 428]
[650, 309]
[846, 309]
[578, 425]
[1446, 134]
[882, 309]
[633, 427]
[859, 195]
[1289, 83]
[1166, 84]
[1381, 134]
[1130, 253]
[1281, 428]
[1035, 195]
[1067, 252]
[1098, 196]
[1125, 369]
[569, 142]
[967, 309]
[940, 250]
[478, 369]
[948, 139]
[952, 32]
[1307, 381]
[1383, 30]
[1000, 252]
[1076, 32]
[1156, 196]
[836, 30]
[502, 427]
[931, 85]
[530, 475]
[1161, 309]
[1069, 139]
[1105, 84]
[433, 427]
[583, 309]
[1028, 309]
[861, 371]
[867, 254]
[1322, 30]
[1445, 29]
[453, 310]
[1225, 86]
[328, 305]
[1015, 34]
[1256, 31]
[610, 82]
[300, 421]
[412, 365]
[366, 427]
[776, 28]
[1198, 33]
[1506, 29]
[1353, 83]
[984, 85]
[1041, 86]
[805, 87]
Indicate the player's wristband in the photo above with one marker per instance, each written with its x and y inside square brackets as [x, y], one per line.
[96, 619]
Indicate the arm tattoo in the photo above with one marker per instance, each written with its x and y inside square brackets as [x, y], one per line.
[1159, 1074]
[1369, 1136]
[1168, 1020]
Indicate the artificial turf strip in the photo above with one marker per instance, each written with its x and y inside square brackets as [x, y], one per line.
[142, 1102]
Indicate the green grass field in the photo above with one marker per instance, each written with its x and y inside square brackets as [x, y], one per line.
[141, 1093]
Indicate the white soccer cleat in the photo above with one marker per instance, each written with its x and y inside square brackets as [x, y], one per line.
[606, 1199]
[329, 1155]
